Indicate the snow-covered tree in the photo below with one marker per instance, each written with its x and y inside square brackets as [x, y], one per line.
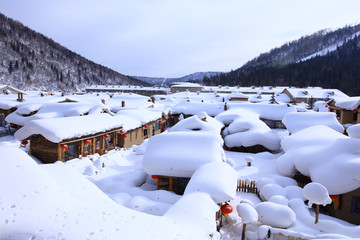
[318, 194]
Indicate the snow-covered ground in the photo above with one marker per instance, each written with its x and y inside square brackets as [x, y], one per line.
[111, 197]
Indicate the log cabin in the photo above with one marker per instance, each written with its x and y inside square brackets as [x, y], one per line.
[62, 139]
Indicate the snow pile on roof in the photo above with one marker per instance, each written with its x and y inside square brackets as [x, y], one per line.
[192, 108]
[246, 129]
[51, 110]
[144, 116]
[179, 154]
[59, 129]
[297, 121]
[325, 155]
[267, 111]
[200, 122]
[348, 103]
[131, 100]
[237, 94]
[28, 108]
[221, 188]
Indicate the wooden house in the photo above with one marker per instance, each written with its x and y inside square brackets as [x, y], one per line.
[62, 139]
[140, 124]
[237, 96]
[346, 109]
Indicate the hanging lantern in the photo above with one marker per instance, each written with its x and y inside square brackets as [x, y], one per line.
[160, 121]
[155, 176]
[64, 147]
[226, 209]
[229, 148]
[125, 135]
[334, 197]
[355, 110]
[24, 142]
[11, 124]
[87, 142]
[9, 111]
[326, 106]
[165, 119]
[122, 131]
[146, 126]
[107, 136]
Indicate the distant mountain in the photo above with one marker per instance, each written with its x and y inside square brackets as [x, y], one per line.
[329, 59]
[195, 77]
[30, 60]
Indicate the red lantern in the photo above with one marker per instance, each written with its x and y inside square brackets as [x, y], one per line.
[24, 142]
[64, 147]
[87, 142]
[107, 136]
[355, 110]
[146, 126]
[155, 176]
[125, 135]
[333, 197]
[226, 209]
[160, 121]
[341, 109]
[122, 131]
[9, 111]
[229, 148]
[326, 106]
[165, 119]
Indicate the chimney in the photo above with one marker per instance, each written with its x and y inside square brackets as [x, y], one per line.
[153, 99]
[122, 103]
[225, 107]
[103, 101]
[20, 97]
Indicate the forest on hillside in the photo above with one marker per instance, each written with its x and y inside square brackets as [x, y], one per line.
[338, 69]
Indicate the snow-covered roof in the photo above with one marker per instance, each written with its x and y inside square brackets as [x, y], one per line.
[267, 111]
[315, 92]
[297, 121]
[51, 110]
[59, 129]
[246, 129]
[325, 155]
[221, 188]
[237, 95]
[142, 115]
[10, 88]
[348, 103]
[196, 123]
[125, 88]
[179, 154]
[193, 108]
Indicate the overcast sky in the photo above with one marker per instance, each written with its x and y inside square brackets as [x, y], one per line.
[159, 38]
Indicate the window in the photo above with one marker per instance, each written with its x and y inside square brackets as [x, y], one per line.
[355, 205]
[86, 148]
[355, 117]
[157, 126]
[145, 132]
[98, 144]
[2, 120]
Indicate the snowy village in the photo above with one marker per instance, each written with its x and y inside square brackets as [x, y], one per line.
[180, 162]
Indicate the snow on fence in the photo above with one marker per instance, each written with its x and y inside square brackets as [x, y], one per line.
[281, 236]
[247, 186]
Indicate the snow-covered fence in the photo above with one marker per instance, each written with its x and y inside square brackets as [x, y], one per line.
[281, 236]
[247, 186]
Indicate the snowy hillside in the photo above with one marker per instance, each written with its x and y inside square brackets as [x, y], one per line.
[31, 61]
